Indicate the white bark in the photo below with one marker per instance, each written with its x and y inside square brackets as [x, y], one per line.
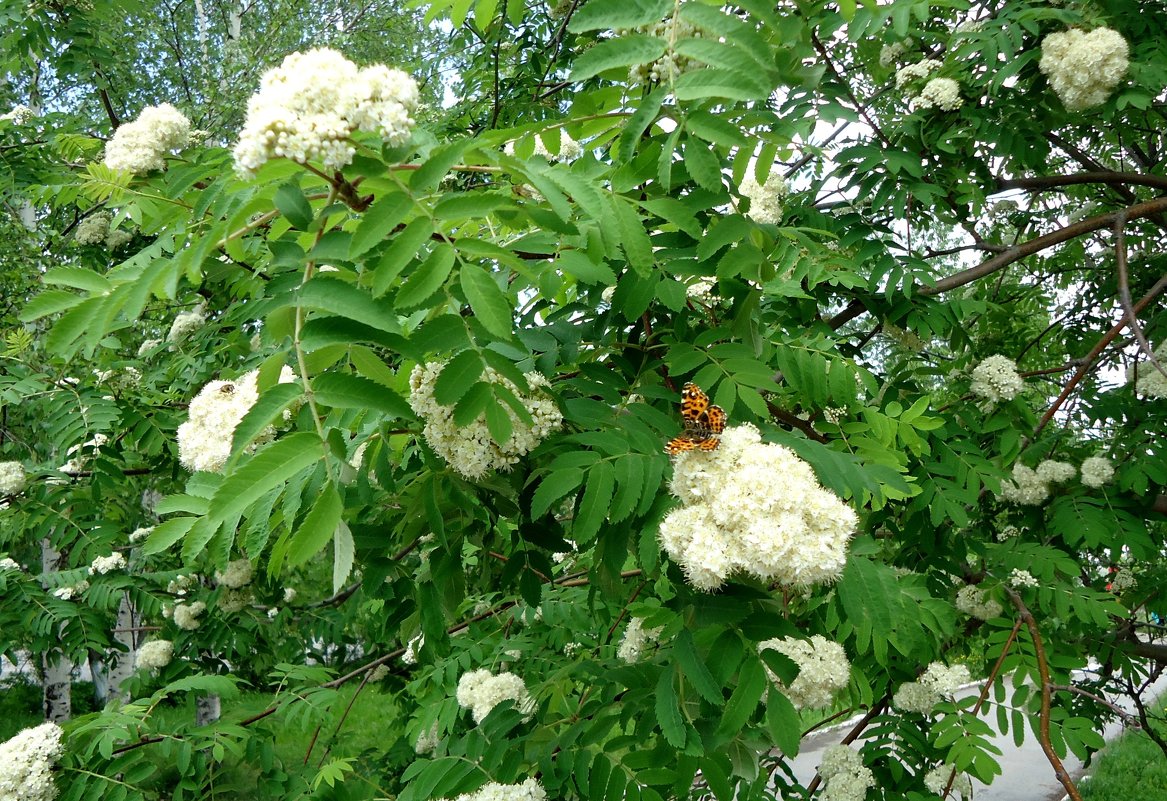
[207, 709]
[121, 664]
[58, 672]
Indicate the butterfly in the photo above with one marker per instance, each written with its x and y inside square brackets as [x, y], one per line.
[704, 423]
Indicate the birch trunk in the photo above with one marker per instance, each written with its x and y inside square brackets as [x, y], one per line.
[57, 672]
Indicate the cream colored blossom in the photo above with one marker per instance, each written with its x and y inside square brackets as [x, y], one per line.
[1019, 578]
[204, 440]
[1083, 68]
[974, 602]
[93, 230]
[823, 670]
[186, 323]
[670, 65]
[528, 790]
[12, 478]
[941, 93]
[635, 639]
[996, 379]
[1148, 380]
[480, 691]
[186, 616]
[154, 655]
[307, 109]
[914, 72]
[141, 146]
[765, 199]
[847, 778]
[1055, 472]
[754, 508]
[26, 764]
[937, 779]
[1026, 488]
[107, 564]
[237, 574]
[1097, 471]
[470, 449]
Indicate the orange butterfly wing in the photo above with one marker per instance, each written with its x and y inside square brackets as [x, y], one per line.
[704, 423]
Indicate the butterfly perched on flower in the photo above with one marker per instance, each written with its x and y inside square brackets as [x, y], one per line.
[704, 423]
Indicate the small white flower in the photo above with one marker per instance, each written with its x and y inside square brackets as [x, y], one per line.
[186, 323]
[237, 574]
[1083, 68]
[480, 691]
[26, 764]
[12, 478]
[846, 776]
[8, 563]
[1054, 472]
[823, 670]
[636, 637]
[765, 199]
[140, 534]
[973, 601]
[142, 145]
[105, 564]
[996, 379]
[1021, 578]
[186, 616]
[937, 779]
[1097, 471]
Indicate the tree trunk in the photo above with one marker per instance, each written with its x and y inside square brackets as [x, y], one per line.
[207, 709]
[56, 671]
[121, 664]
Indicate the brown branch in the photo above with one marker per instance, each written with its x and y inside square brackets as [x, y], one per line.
[1124, 293]
[1126, 717]
[852, 736]
[1044, 182]
[1043, 737]
[1090, 357]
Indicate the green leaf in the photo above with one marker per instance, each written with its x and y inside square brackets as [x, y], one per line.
[472, 405]
[379, 221]
[700, 84]
[577, 264]
[49, 302]
[344, 391]
[596, 499]
[639, 122]
[343, 549]
[457, 377]
[266, 470]
[490, 305]
[601, 14]
[78, 278]
[554, 486]
[345, 300]
[264, 412]
[695, 670]
[741, 705]
[668, 713]
[635, 242]
[703, 165]
[290, 201]
[403, 248]
[166, 534]
[498, 422]
[623, 51]
[783, 723]
[317, 528]
[434, 169]
[427, 278]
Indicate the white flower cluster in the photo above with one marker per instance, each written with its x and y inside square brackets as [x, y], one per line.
[154, 655]
[412, 649]
[846, 776]
[428, 740]
[1021, 578]
[289, 594]
[941, 93]
[307, 108]
[8, 563]
[80, 453]
[528, 790]
[937, 779]
[974, 602]
[702, 292]
[93, 229]
[71, 592]
[481, 691]
[141, 534]
[765, 199]
[1008, 532]
[1123, 580]
[1148, 381]
[19, 115]
[939, 681]
[1055, 472]
[147, 346]
[1097, 471]
[185, 323]
[915, 72]
[142, 145]
[636, 637]
[754, 508]
[12, 478]
[106, 564]
[237, 574]
[996, 379]
[186, 616]
[890, 54]
[26, 763]
[204, 440]
[470, 449]
[1027, 487]
[1083, 68]
[823, 670]
[666, 68]
[569, 149]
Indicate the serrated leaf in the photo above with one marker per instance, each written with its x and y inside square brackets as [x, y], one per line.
[383, 216]
[694, 669]
[344, 391]
[343, 549]
[263, 472]
[701, 84]
[639, 122]
[577, 264]
[498, 422]
[783, 723]
[623, 51]
[78, 278]
[403, 248]
[166, 534]
[264, 412]
[593, 508]
[345, 300]
[554, 486]
[427, 279]
[49, 302]
[703, 165]
[490, 305]
[629, 485]
[668, 713]
[471, 405]
[745, 698]
[457, 377]
[600, 14]
[292, 203]
[317, 528]
[434, 169]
